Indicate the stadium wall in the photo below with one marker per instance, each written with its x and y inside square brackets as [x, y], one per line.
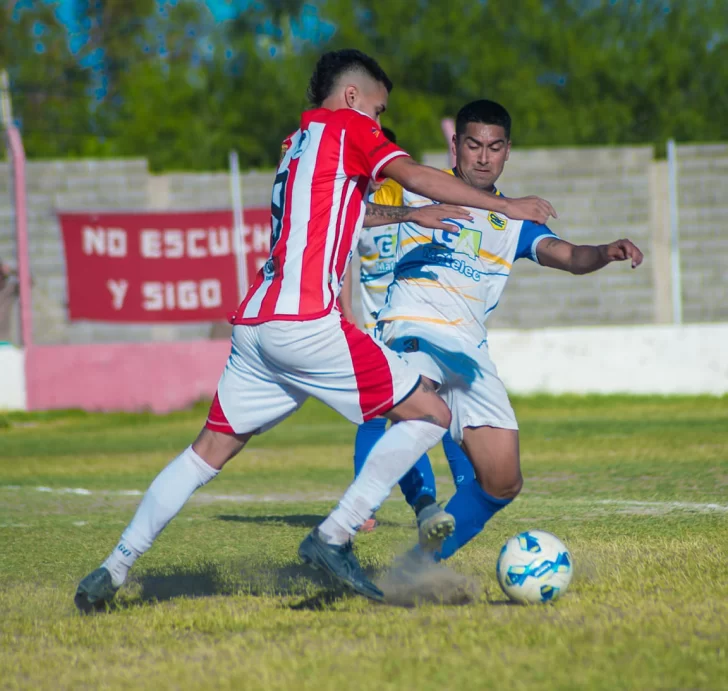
[655, 359]
[12, 378]
[601, 194]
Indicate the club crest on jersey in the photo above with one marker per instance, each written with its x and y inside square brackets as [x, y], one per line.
[498, 222]
[376, 131]
[467, 241]
[302, 145]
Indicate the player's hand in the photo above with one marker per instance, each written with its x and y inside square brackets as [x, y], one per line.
[530, 209]
[621, 250]
[436, 215]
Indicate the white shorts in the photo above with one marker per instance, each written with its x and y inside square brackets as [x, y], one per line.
[468, 379]
[274, 367]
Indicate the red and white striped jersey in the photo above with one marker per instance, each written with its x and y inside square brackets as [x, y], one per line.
[317, 212]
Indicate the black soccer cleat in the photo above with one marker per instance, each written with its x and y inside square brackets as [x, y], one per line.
[95, 592]
[340, 562]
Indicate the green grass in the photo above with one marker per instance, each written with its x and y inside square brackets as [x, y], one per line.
[637, 487]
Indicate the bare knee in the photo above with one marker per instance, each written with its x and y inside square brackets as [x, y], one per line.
[216, 448]
[503, 488]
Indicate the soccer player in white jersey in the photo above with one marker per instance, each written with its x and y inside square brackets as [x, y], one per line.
[289, 341]
[376, 249]
[446, 285]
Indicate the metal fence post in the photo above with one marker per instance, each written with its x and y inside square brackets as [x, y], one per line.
[677, 305]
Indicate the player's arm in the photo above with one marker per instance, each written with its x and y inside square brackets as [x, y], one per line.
[345, 298]
[583, 259]
[431, 216]
[439, 186]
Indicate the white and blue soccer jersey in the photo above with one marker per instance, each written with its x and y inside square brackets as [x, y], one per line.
[455, 280]
[376, 249]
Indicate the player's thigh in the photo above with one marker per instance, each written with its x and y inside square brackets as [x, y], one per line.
[423, 403]
[484, 423]
[250, 398]
[345, 368]
[494, 453]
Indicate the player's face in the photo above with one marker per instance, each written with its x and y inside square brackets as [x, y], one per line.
[481, 152]
[368, 96]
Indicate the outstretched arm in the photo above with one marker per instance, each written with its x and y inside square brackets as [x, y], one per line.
[431, 216]
[583, 259]
[439, 186]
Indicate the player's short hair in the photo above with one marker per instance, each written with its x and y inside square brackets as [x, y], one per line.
[333, 64]
[389, 134]
[484, 112]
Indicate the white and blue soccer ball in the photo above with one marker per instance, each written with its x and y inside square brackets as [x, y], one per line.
[533, 567]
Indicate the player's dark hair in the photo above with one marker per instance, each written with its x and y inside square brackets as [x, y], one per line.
[484, 112]
[389, 135]
[331, 65]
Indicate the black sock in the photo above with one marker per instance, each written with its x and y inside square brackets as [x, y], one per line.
[422, 502]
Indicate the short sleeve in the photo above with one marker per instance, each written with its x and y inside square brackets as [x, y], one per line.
[366, 149]
[389, 194]
[531, 234]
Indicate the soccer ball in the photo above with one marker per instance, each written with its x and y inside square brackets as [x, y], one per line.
[534, 566]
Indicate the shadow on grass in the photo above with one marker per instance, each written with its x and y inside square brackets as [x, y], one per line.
[304, 520]
[215, 579]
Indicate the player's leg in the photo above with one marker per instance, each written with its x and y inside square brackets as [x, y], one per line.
[484, 423]
[417, 485]
[367, 435]
[362, 380]
[220, 440]
[164, 499]
[495, 457]
[460, 466]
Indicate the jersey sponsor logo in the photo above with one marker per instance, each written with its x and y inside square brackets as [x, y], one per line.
[498, 222]
[376, 131]
[467, 241]
[302, 145]
[441, 257]
[385, 245]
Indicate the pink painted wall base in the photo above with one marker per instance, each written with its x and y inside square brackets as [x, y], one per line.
[159, 377]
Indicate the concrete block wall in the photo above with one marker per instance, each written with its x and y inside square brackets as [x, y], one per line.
[702, 175]
[601, 194]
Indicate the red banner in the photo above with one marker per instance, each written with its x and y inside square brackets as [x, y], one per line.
[158, 266]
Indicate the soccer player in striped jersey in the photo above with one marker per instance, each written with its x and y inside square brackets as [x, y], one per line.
[289, 341]
[445, 287]
[376, 253]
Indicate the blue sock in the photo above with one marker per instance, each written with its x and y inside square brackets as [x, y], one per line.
[472, 508]
[460, 465]
[367, 435]
[418, 482]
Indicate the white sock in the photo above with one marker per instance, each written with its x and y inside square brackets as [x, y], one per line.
[390, 458]
[162, 502]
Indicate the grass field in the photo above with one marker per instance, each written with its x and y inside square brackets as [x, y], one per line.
[637, 488]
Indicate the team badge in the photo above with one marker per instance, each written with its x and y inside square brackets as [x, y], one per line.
[376, 131]
[498, 222]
